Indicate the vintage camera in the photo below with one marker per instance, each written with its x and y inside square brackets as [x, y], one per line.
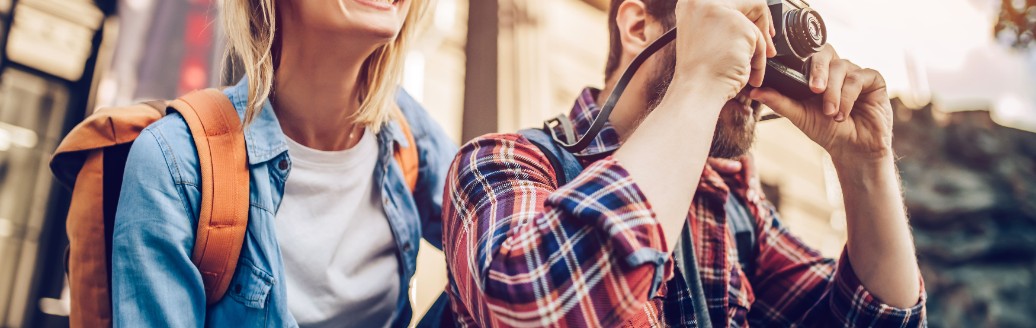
[800, 34]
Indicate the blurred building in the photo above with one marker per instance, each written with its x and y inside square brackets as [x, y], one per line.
[49, 51]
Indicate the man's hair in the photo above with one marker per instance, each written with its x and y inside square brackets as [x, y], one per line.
[663, 10]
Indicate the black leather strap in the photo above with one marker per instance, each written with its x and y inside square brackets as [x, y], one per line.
[687, 263]
[609, 105]
[620, 86]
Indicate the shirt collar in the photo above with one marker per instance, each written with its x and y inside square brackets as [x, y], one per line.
[582, 115]
[264, 138]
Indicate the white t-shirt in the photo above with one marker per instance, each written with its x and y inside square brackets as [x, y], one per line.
[339, 252]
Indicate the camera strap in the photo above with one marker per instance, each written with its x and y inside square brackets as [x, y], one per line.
[686, 260]
[620, 86]
[575, 146]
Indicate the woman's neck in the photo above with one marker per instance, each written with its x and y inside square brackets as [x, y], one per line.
[317, 92]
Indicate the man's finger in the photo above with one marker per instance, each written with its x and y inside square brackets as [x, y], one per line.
[833, 94]
[767, 27]
[748, 166]
[819, 68]
[850, 92]
[855, 80]
[787, 107]
[759, 14]
[727, 166]
[755, 78]
[877, 82]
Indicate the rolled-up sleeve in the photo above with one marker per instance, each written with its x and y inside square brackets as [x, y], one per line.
[795, 285]
[853, 303]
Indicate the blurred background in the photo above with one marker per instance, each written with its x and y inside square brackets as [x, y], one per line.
[963, 73]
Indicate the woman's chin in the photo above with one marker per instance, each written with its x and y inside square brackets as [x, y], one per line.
[372, 29]
[387, 34]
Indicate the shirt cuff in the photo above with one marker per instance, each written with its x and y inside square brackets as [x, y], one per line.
[857, 304]
[605, 196]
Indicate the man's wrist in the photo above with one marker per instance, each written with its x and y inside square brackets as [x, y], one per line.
[847, 163]
[866, 172]
[687, 96]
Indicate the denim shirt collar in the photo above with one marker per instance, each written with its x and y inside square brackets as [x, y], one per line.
[264, 139]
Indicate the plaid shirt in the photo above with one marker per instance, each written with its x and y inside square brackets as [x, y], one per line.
[524, 252]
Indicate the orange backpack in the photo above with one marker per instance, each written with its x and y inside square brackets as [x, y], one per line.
[91, 160]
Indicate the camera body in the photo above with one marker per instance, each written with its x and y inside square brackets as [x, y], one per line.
[800, 34]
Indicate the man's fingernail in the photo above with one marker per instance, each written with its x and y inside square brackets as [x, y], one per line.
[829, 109]
[840, 117]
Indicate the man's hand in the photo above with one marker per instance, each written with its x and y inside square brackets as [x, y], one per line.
[722, 44]
[852, 119]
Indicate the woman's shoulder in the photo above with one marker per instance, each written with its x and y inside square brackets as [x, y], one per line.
[166, 143]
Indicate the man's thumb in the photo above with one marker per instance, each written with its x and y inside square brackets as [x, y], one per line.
[781, 104]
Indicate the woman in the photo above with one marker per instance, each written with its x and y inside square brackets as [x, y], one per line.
[332, 244]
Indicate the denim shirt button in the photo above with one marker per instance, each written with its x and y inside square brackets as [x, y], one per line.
[283, 165]
[406, 246]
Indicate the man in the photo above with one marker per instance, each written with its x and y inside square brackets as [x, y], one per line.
[597, 251]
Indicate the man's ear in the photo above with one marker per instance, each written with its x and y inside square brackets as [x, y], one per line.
[631, 19]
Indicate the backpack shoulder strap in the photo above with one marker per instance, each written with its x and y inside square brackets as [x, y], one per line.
[222, 221]
[406, 156]
[565, 165]
[742, 229]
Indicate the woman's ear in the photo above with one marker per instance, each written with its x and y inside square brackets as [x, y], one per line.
[632, 19]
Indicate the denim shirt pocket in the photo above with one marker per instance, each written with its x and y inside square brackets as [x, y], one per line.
[250, 286]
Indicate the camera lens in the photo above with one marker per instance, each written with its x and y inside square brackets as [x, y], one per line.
[806, 31]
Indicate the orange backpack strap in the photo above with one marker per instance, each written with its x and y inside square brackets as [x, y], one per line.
[82, 162]
[407, 157]
[223, 219]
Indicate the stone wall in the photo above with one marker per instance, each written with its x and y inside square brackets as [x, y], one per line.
[971, 194]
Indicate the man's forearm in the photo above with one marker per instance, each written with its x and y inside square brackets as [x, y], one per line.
[667, 152]
[879, 243]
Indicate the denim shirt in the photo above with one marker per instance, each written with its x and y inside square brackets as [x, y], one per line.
[154, 282]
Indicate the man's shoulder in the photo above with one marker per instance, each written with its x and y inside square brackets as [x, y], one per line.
[493, 148]
[499, 139]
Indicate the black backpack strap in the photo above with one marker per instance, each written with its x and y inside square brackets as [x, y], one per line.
[565, 165]
[685, 260]
[742, 228]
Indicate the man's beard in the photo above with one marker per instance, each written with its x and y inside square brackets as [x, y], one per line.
[735, 131]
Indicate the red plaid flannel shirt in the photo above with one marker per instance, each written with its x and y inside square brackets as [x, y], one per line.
[524, 252]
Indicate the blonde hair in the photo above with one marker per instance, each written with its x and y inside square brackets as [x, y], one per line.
[251, 27]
